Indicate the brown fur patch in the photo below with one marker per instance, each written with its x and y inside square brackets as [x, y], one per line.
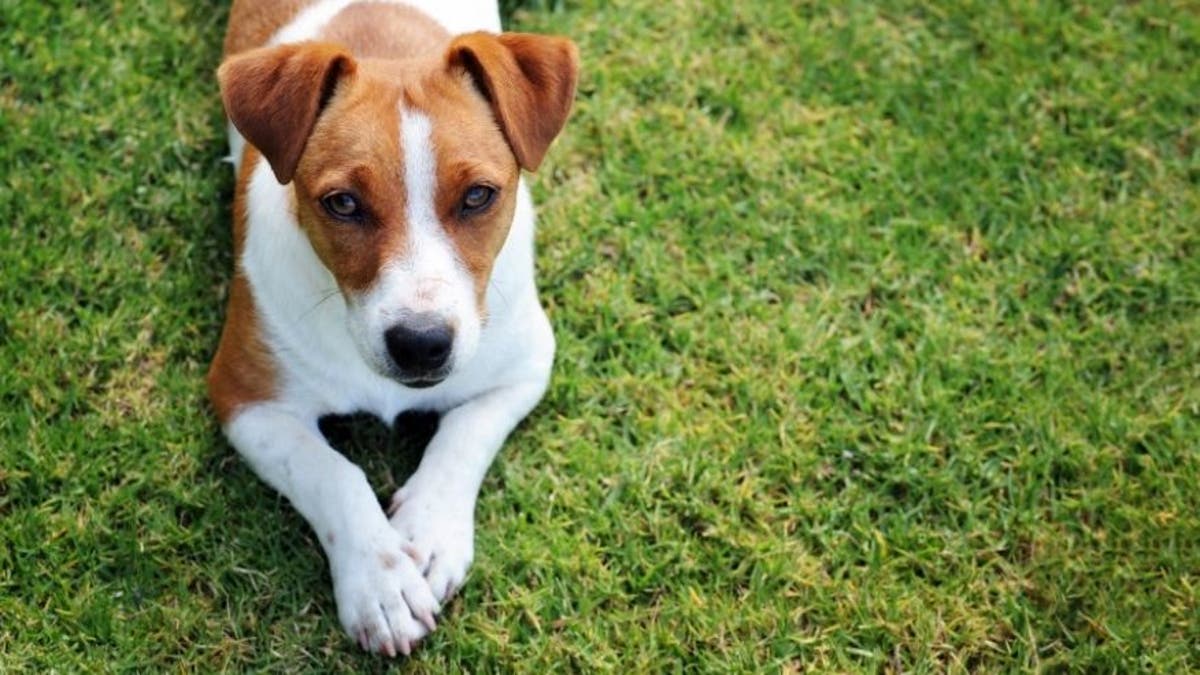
[355, 148]
[374, 30]
[253, 22]
[243, 370]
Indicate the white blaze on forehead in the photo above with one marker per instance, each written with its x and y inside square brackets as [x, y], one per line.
[426, 275]
[429, 258]
[420, 168]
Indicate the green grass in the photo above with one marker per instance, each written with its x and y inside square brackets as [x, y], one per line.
[879, 334]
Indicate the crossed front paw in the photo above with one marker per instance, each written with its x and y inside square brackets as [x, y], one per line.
[438, 531]
[384, 602]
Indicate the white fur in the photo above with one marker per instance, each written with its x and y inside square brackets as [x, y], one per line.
[388, 578]
[383, 600]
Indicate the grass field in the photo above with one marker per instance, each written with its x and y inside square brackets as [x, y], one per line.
[879, 334]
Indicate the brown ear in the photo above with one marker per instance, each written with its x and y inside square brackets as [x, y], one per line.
[273, 96]
[528, 79]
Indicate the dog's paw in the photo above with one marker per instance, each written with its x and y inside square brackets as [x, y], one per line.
[438, 531]
[383, 601]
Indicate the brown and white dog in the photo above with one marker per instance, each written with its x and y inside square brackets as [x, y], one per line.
[384, 262]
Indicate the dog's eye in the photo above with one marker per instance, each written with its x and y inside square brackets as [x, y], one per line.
[342, 205]
[476, 199]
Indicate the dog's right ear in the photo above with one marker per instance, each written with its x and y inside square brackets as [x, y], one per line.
[273, 95]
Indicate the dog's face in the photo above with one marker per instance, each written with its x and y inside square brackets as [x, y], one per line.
[407, 194]
[404, 176]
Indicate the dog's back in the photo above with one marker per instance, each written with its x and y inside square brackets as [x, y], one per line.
[388, 27]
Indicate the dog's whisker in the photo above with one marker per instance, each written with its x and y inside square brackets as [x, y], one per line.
[328, 294]
[499, 291]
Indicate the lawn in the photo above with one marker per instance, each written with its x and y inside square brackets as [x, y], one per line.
[879, 350]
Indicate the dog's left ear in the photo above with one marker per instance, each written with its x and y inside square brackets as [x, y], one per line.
[529, 81]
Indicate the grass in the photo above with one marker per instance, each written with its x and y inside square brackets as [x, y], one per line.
[879, 335]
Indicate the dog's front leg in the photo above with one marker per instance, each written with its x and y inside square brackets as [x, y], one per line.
[382, 599]
[435, 510]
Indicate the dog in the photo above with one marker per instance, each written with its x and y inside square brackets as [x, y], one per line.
[383, 241]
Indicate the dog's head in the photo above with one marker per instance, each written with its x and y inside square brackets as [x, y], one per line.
[404, 175]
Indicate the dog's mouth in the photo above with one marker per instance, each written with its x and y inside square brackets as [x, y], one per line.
[424, 382]
[418, 379]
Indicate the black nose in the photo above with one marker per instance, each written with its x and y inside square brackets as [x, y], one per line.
[420, 345]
